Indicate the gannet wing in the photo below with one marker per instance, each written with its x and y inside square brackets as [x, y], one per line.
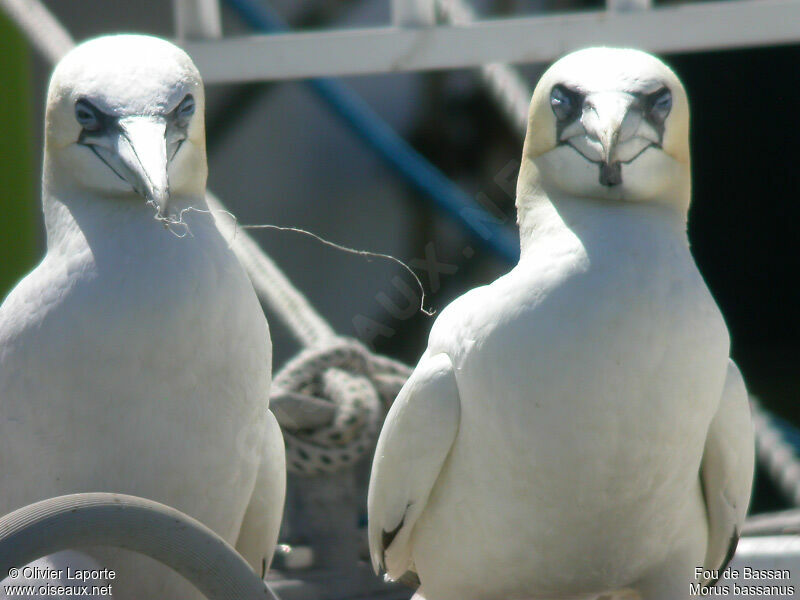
[416, 438]
[261, 524]
[726, 472]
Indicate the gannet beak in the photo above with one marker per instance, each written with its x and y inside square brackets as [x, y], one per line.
[142, 150]
[611, 119]
[135, 148]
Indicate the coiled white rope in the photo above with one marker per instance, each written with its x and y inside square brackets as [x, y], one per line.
[331, 401]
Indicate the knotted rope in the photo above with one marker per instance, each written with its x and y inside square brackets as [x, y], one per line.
[330, 402]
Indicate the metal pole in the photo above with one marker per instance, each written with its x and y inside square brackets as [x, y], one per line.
[197, 19]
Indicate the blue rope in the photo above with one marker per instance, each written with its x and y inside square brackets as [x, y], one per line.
[371, 128]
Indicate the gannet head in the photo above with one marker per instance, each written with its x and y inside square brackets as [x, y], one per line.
[609, 123]
[125, 120]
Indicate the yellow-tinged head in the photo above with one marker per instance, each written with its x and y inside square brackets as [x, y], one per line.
[608, 123]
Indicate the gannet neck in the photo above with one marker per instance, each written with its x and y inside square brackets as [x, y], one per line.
[76, 216]
[561, 220]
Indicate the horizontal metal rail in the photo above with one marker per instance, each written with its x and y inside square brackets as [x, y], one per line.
[687, 27]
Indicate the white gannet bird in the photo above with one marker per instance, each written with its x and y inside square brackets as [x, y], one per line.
[133, 360]
[576, 428]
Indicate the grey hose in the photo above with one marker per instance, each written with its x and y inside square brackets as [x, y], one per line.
[155, 530]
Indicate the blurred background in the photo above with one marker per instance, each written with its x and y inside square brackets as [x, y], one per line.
[278, 155]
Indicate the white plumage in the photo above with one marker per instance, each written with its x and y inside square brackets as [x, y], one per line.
[133, 360]
[576, 428]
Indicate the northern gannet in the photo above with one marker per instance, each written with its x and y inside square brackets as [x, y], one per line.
[136, 357]
[576, 428]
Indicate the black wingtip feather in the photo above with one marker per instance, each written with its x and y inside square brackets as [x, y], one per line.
[387, 537]
[728, 557]
[410, 579]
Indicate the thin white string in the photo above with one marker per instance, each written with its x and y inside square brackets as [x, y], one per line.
[366, 253]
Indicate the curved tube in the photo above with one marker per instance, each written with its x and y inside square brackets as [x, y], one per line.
[155, 530]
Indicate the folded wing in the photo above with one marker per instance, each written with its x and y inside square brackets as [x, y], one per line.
[727, 470]
[413, 446]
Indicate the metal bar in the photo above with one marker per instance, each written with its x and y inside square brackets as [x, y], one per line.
[197, 19]
[700, 26]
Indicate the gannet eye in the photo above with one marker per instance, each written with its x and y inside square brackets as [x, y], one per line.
[659, 103]
[565, 102]
[186, 108]
[87, 115]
